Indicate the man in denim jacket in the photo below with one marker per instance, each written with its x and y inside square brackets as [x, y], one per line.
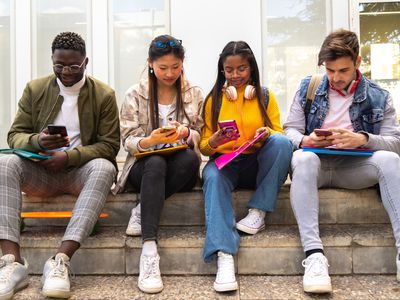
[356, 113]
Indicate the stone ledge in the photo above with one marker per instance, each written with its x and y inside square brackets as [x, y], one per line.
[337, 206]
[277, 250]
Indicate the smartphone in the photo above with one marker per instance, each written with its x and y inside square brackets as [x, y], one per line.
[168, 128]
[322, 132]
[57, 129]
[228, 125]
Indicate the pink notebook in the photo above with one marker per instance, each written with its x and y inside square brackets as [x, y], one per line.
[224, 159]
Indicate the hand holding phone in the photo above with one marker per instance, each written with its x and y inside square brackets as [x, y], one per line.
[229, 128]
[168, 128]
[322, 132]
[57, 129]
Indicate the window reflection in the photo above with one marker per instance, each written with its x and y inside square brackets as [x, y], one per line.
[53, 17]
[135, 24]
[5, 70]
[292, 35]
[380, 45]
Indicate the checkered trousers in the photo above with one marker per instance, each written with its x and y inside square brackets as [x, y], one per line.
[91, 183]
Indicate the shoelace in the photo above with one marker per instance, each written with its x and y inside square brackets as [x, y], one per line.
[315, 264]
[254, 216]
[150, 267]
[60, 267]
[136, 217]
[5, 271]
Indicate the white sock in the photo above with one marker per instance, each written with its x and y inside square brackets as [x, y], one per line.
[149, 248]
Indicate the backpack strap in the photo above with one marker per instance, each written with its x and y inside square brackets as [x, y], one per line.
[312, 88]
[265, 93]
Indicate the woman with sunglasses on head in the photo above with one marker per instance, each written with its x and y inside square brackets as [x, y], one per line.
[238, 96]
[160, 111]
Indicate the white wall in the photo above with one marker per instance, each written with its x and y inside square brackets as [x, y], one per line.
[206, 26]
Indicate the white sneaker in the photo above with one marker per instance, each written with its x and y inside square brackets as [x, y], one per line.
[55, 277]
[398, 266]
[149, 274]
[134, 226]
[253, 222]
[225, 280]
[13, 276]
[316, 277]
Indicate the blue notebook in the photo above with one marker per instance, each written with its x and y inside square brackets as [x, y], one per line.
[337, 151]
[25, 154]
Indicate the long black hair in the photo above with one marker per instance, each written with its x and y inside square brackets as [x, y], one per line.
[160, 46]
[243, 49]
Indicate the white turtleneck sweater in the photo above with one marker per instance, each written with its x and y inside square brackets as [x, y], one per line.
[68, 115]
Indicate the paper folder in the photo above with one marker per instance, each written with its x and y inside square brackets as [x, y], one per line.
[224, 159]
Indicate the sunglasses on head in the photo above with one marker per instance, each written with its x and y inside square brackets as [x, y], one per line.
[172, 44]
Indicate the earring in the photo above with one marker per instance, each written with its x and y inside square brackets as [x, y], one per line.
[151, 70]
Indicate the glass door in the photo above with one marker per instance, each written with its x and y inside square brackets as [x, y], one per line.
[379, 32]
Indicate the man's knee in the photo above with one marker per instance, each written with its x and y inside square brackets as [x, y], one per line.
[101, 165]
[11, 165]
[386, 160]
[304, 161]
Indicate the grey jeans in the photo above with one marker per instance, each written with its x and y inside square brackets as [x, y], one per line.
[91, 183]
[310, 172]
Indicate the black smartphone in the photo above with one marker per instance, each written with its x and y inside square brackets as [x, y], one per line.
[57, 129]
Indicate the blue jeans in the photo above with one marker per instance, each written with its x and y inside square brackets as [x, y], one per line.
[265, 170]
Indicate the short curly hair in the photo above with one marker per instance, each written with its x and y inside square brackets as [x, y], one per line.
[69, 40]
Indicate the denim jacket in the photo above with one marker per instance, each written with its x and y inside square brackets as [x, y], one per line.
[366, 111]
[371, 112]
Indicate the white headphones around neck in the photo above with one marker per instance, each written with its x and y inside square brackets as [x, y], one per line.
[231, 92]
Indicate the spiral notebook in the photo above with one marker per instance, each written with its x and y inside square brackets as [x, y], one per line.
[224, 159]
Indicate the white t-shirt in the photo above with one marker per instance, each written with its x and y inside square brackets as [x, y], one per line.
[68, 115]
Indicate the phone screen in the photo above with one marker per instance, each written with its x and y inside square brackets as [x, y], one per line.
[57, 129]
[228, 125]
[322, 132]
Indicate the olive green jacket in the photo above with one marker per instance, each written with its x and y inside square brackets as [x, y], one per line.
[98, 118]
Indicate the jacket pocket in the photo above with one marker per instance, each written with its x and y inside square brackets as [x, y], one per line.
[373, 116]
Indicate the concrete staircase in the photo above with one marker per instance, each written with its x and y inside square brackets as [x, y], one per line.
[355, 228]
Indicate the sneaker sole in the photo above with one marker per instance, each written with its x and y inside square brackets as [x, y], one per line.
[17, 288]
[249, 230]
[151, 290]
[319, 289]
[56, 293]
[133, 233]
[226, 287]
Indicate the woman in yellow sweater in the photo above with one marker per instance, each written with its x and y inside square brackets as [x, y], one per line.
[237, 95]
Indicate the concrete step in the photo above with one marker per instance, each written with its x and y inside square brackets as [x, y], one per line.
[351, 249]
[337, 206]
[365, 287]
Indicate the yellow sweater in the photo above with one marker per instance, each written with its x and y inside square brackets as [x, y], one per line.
[248, 117]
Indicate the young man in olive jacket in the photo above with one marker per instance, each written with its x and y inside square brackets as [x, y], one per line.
[82, 163]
